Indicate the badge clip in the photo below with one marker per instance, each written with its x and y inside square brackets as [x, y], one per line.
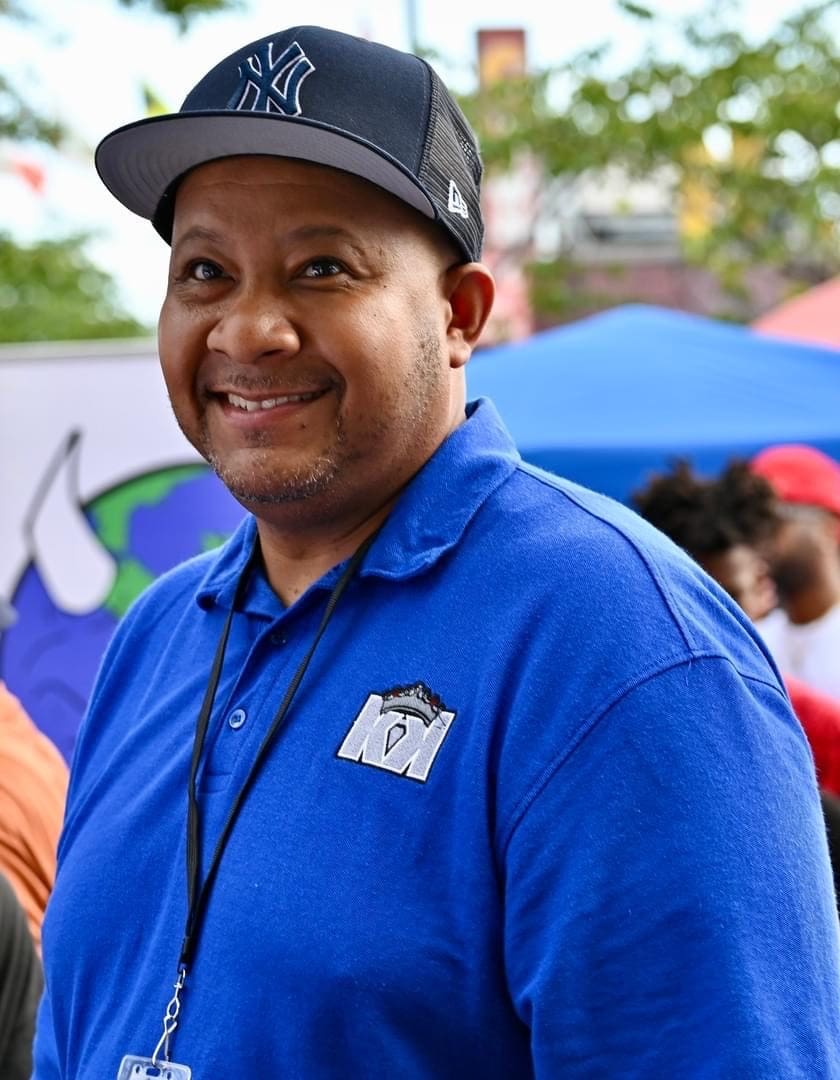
[133, 1067]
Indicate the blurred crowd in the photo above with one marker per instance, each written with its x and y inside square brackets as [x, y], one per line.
[766, 529]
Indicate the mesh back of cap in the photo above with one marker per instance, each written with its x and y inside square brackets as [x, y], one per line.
[451, 154]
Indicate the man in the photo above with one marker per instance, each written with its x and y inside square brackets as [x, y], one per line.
[33, 787]
[804, 633]
[454, 750]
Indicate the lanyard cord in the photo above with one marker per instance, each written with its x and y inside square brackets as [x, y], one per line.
[197, 895]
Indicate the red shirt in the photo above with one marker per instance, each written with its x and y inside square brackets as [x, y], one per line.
[819, 716]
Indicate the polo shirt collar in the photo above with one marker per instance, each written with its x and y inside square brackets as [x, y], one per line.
[427, 520]
[432, 513]
[218, 584]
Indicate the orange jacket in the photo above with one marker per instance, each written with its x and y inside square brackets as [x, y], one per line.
[33, 789]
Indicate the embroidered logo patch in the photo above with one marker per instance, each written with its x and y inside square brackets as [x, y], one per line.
[457, 204]
[400, 730]
[269, 85]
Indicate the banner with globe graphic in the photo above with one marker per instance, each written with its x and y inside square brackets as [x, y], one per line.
[100, 494]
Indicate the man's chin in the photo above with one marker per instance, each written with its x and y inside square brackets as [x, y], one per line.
[254, 491]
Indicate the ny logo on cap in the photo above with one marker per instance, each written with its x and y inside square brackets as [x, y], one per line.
[269, 85]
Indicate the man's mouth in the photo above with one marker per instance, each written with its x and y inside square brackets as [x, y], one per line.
[257, 404]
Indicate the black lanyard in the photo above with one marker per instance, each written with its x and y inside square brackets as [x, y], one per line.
[197, 894]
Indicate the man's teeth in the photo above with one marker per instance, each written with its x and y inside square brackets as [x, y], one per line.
[269, 403]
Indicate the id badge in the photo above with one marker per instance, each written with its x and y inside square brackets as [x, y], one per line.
[133, 1067]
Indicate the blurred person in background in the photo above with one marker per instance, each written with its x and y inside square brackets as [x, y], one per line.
[721, 523]
[831, 813]
[21, 981]
[33, 789]
[803, 633]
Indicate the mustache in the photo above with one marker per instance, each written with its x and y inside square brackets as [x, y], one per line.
[276, 383]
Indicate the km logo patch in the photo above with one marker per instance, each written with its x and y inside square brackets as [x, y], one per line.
[269, 84]
[400, 730]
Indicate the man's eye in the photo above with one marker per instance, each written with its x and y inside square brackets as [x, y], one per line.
[325, 267]
[202, 270]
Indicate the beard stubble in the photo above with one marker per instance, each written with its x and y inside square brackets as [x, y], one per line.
[396, 426]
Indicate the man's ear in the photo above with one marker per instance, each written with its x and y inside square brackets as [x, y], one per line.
[470, 290]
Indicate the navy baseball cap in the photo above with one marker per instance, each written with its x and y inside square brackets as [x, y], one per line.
[319, 96]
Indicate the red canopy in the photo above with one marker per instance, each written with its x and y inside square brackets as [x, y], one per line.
[813, 317]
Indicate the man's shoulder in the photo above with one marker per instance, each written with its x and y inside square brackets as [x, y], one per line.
[574, 532]
[545, 492]
[604, 565]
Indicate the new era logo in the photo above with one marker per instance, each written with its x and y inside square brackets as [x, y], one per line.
[400, 731]
[267, 84]
[457, 205]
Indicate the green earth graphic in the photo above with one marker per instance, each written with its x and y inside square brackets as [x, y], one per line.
[149, 524]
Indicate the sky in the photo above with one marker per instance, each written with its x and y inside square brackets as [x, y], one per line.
[86, 61]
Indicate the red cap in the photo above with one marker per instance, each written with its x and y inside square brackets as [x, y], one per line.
[800, 474]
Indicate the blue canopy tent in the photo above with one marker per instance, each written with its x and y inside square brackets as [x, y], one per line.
[610, 399]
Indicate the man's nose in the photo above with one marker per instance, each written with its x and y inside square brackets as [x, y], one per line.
[253, 324]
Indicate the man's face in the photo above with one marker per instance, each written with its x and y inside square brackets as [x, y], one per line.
[802, 546]
[303, 335]
[745, 576]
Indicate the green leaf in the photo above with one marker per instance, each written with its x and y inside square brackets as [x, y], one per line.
[637, 11]
[51, 291]
[771, 201]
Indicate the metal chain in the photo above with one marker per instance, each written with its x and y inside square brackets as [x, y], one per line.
[170, 1019]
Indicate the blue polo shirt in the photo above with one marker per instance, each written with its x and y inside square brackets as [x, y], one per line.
[540, 808]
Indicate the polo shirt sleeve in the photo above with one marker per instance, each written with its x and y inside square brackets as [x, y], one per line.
[668, 899]
[45, 1052]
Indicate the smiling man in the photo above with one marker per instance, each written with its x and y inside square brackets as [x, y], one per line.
[471, 772]
[301, 340]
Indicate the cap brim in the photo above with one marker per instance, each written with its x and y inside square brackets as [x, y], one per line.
[138, 162]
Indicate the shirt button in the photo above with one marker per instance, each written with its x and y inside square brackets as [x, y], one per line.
[237, 719]
[277, 638]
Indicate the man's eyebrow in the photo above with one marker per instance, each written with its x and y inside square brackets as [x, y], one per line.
[302, 233]
[323, 232]
[197, 232]
[320, 232]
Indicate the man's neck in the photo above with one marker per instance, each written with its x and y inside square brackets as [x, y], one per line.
[301, 542]
[294, 560]
[812, 603]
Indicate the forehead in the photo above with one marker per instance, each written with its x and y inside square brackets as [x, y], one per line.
[799, 521]
[803, 513]
[261, 186]
[733, 564]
